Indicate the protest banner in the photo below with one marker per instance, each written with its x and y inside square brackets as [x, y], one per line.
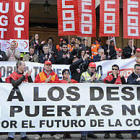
[69, 107]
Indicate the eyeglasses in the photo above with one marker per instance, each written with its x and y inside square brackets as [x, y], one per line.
[114, 69]
[65, 47]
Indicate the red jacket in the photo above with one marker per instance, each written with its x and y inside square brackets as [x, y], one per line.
[72, 80]
[42, 76]
[15, 76]
[110, 78]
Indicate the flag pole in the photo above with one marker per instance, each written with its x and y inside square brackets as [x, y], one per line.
[132, 46]
[108, 45]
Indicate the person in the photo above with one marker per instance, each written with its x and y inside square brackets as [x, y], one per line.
[59, 46]
[95, 47]
[52, 47]
[119, 54]
[75, 50]
[47, 76]
[78, 66]
[114, 78]
[90, 76]
[109, 50]
[31, 57]
[16, 79]
[67, 79]
[3, 56]
[64, 57]
[112, 43]
[134, 79]
[37, 44]
[46, 55]
[100, 56]
[12, 53]
[79, 42]
[87, 47]
[129, 50]
[137, 56]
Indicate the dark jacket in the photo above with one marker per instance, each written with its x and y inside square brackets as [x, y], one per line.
[42, 58]
[77, 68]
[132, 79]
[38, 47]
[127, 52]
[112, 52]
[3, 56]
[97, 58]
[61, 60]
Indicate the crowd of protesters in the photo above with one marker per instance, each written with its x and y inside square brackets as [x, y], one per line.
[81, 59]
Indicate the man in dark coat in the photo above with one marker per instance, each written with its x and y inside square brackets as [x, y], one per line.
[129, 50]
[134, 79]
[109, 50]
[64, 57]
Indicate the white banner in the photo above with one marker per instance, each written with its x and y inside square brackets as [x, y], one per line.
[7, 68]
[125, 65]
[103, 67]
[69, 107]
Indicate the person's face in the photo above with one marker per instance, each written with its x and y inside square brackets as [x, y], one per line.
[92, 69]
[64, 42]
[22, 66]
[119, 54]
[64, 48]
[66, 75]
[46, 50]
[36, 37]
[76, 46]
[137, 54]
[50, 41]
[13, 46]
[73, 39]
[112, 44]
[130, 43]
[115, 70]
[137, 70]
[86, 42]
[101, 53]
[108, 42]
[32, 51]
[83, 53]
[77, 41]
[48, 67]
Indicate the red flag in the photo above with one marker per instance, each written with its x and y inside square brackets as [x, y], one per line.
[14, 23]
[131, 19]
[67, 17]
[109, 18]
[87, 18]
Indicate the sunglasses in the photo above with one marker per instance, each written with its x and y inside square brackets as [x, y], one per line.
[114, 69]
[65, 47]
[66, 73]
